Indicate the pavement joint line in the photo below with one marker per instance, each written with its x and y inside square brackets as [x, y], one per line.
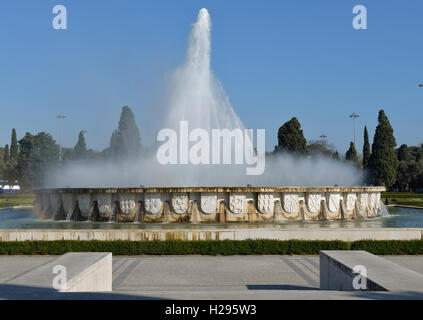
[25, 272]
[300, 272]
[118, 271]
[126, 273]
[312, 262]
[308, 268]
[118, 264]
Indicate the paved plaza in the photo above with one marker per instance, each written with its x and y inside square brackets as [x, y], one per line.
[206, 277]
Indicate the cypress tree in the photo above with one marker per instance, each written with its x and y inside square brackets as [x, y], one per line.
[366, 149]
[383, 160]
[14, 153]
[6, 155]
[351, 154]
[126, 141]
[80, 149]
[291, 138]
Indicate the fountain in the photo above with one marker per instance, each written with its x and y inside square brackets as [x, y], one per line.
[198, 98]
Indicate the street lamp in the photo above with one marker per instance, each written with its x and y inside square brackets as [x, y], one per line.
[354, 116]
[60, 117]
[421, 85]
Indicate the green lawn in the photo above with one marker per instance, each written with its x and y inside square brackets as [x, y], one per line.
[404, 198]
[20, 199]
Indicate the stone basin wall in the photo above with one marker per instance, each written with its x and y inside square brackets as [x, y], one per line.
[208, 204]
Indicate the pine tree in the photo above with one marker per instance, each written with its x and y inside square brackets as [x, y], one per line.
[80, 149]
[14, 152]
[6, 154]
[366, 149]
[291, 138]
[126, 141]
[351, 154]
[383, 160]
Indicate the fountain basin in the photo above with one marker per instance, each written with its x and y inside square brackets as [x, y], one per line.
[208, 204]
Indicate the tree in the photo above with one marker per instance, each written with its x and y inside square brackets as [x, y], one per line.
[291, 138]
[351, 154]
[37, 154]
[6, 155]
[126, 141]
[366, 149]
[80, 149]
[336, 156]
[383, 160]
[320, 148]
[14, 151]
[403, 154]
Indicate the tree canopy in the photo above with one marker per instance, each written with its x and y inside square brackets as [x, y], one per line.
[366, 149]
[351, 154]
[291, 138]
[383, 160]
[125, 141]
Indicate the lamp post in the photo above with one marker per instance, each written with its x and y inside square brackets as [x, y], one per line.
[60, 117]
[421, 85]
[354, 116]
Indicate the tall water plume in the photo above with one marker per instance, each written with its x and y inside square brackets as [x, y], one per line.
[195, 94]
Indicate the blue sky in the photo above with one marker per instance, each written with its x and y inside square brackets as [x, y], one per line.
[275, 59]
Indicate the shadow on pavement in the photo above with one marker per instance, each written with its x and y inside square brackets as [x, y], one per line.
[19, 292]
[277, 287]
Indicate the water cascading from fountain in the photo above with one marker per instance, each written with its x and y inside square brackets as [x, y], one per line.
[383, 210]
[112, 214]
[69, 214]
[137, 215]
[91, 213]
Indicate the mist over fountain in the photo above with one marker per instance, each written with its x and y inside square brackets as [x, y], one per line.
[142, 190]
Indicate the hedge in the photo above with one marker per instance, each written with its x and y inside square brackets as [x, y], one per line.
[214, 248]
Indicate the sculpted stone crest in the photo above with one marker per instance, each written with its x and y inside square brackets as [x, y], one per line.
[351, 199]
[180, 202]
[237, 203]
[266, 202]
[127, 203]
[334, 199]
[290, 202]
[152, 202]
[104, 202]
[209, 202]
[313, 202]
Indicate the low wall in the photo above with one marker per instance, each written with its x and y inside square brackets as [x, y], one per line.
[79, 272]
[337, 273]
[208, 204]
[227, 234]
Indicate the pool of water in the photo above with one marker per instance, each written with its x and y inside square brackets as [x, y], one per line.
[24, 218]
